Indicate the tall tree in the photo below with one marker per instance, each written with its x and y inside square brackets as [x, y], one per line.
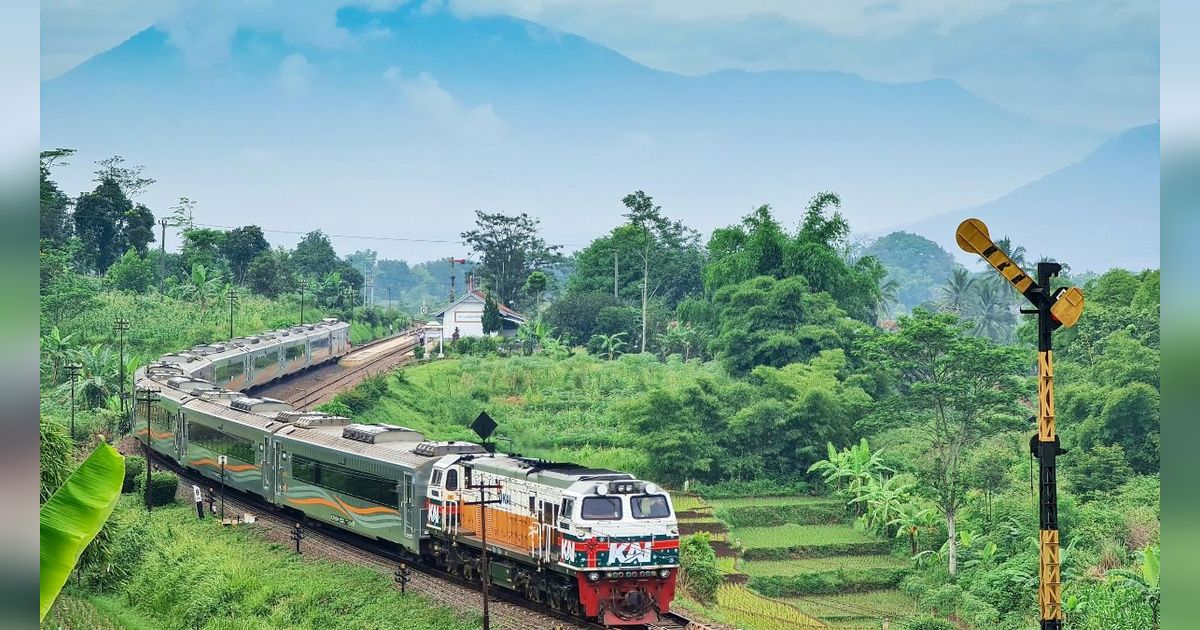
[954, 296]
[657, 236]
[98, 218]
[491, 316]
[511, 248]
[241, 246]
[137, 229]
[55, 204]
[314, 255]
[957, 389]
[128, 178]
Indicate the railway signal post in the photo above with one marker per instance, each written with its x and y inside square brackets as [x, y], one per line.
[222, 459]
[1053, 309]
[147, 395]
[232, 296]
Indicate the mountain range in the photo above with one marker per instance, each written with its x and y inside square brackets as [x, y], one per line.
[421, 117]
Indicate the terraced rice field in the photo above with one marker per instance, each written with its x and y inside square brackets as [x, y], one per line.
[856, 609]
[685, 502]
[792, 535]
[767, 501]
[766, 568]
[739, 606]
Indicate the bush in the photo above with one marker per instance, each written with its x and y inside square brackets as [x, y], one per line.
[929, 623]
[772, 515]
[698, 563]
[135, 472]
[162, 487]
[419, 352]
[756, 488]
[828, 582]
[335, 408]
[55, 459]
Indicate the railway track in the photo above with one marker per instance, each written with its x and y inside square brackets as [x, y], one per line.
[507, 610]
[320, 384]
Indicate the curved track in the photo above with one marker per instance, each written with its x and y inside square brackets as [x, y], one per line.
[320, 384]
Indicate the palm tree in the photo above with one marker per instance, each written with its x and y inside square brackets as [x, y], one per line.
[610, 345]
[956, 292]
[58, 349]
[994, 318]
[889, 297]
[1145, 580]
[912, 519]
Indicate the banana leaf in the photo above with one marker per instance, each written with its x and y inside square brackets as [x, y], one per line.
[74, 515]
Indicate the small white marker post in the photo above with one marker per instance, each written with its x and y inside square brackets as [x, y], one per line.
[222, 459]
[199, 501]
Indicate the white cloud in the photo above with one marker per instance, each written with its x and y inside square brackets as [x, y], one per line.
[425, 96]
[295, 74]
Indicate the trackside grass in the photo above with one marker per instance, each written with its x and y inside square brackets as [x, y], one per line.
[197, 575]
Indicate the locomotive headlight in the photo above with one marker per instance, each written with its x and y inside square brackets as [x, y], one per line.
[594, 576]
[651, 488]
[664, 573]
[601, 489]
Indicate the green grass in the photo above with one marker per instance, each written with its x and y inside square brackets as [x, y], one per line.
[757, 501]
[198, 575]
[792, 535]
[796, 566]
[687, 502]
[857, 606]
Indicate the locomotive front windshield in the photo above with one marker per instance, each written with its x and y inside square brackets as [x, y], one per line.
[650, 506]
[601, 509]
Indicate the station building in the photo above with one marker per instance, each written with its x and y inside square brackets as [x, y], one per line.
[466, 314]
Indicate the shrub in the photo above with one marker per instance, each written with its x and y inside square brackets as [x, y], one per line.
[162, 487]
[55, 459]
[135, 470]
[698, 562]
[771, 515]
[929, 623]
[419, 352]
[756, 488]
[335, 408]
[827, 582]
[355, 400]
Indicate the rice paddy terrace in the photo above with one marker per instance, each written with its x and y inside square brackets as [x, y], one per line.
[797, 562]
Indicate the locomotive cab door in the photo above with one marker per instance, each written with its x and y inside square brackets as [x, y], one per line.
[268, 451]
[406, 504]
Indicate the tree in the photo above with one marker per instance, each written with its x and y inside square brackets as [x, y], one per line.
[55, 204]
[98, 216]
[658, 236]
[1145, 581]
[993, 314]
[535, 285]
[137, 229]
[491, 316]
[241, 246]
[131, 273]
[314, 255]
[510, 248]
[957, 389]
[128, 178]
[201, 286]
[954, 296]
[916, 264]
[913, 518]
[577, 314]
[271, 274]
[202, 246]
[58, 349]
[1098, 472]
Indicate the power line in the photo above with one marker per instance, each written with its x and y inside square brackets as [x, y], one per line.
[369, 237]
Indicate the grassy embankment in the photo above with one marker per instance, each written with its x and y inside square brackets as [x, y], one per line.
[193, 574]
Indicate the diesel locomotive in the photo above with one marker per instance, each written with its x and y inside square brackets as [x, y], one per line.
[594, 543]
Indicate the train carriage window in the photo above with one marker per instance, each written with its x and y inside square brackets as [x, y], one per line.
[220, 442]
[345, 480]
[266, 360]
[650, 506]
[319, 342]
[601, 508]
[452, 479]
[228, 371]
[292, 353]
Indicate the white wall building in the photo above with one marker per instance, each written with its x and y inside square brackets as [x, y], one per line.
[466, 314]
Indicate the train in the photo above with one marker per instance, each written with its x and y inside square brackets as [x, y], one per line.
[592, 543]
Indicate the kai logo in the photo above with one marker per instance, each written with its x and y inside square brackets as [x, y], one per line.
[434, 515]
[629, 553]
[567, 550]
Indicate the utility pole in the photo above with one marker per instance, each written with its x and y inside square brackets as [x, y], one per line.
[454, 261]
[1053, 309]
[162, 256]
[485, 576]
[302, 285]
[121, 326]
[616, 271]
[148, 396]
[232, 296]
[73, 371]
